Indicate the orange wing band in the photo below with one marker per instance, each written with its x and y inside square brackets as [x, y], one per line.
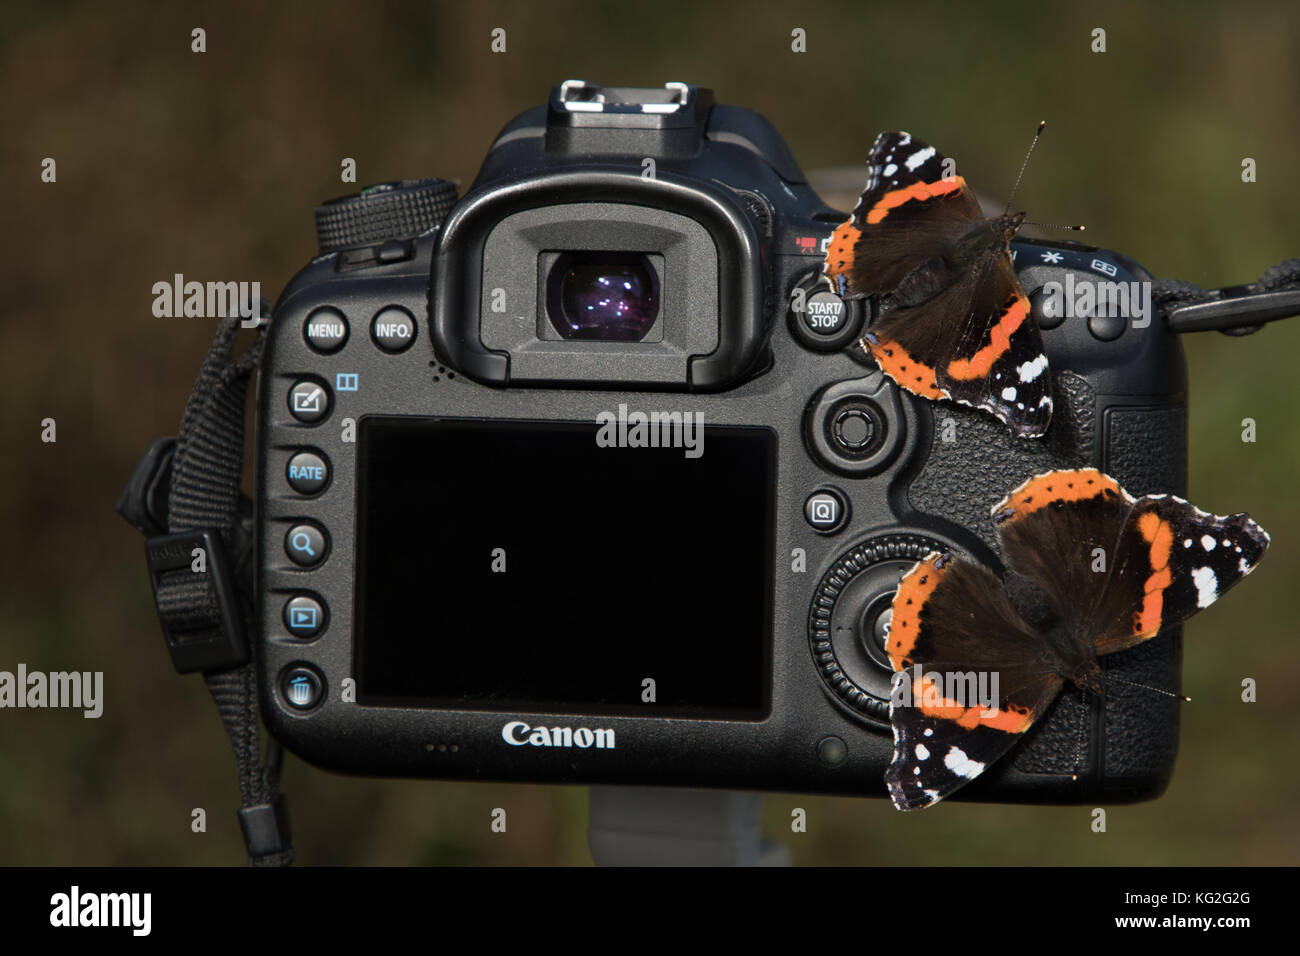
[1160, 536]
[916, 377]
[932, 703]
[1077, 485]
[979, 364]
[905, 622]
[917, 191]
[839, 255]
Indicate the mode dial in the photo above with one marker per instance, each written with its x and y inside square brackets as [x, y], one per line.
[396, 210]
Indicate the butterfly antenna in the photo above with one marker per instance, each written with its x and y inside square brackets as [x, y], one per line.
[1048, 225]
[1154, 690]
[1019, 177]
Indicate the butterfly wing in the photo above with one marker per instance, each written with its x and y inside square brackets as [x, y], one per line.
[1130, 566]
[1171, 560]
[971, 678]
[1050, 530]
[998, 363]
[908, 213]
[936, 756]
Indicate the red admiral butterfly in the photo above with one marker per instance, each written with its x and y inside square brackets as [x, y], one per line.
[953, 320]
[955, 624]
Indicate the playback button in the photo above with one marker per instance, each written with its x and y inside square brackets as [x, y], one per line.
[304, 616]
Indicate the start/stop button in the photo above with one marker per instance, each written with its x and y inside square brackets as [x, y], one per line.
[824, 313]
[820, 319]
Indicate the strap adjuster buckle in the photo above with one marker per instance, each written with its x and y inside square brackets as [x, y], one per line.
[196, 606]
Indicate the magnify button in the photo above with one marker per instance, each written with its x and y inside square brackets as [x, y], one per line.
[305, 544]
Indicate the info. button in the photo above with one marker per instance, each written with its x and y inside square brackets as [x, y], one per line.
[393, 329]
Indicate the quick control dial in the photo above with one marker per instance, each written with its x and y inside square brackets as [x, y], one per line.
[850, 614]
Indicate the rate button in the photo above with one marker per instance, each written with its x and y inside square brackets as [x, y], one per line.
[308, 472]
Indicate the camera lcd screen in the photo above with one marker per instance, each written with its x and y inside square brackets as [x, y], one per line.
[513, 565]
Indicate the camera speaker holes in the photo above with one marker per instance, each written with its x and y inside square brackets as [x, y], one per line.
[442, 748]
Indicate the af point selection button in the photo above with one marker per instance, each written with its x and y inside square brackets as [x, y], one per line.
[826, 510]
[856, 427]
[393, 329]
[306, 545]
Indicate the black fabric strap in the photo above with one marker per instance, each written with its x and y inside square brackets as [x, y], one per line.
[205, 493]
[1171, 294]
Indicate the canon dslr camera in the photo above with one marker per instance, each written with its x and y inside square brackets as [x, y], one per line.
[582, 477]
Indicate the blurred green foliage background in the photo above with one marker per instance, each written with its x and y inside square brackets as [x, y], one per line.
[210, 165]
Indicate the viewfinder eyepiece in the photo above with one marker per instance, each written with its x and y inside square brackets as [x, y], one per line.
[607, 296]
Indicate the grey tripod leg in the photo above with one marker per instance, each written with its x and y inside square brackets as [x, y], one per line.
[659, 826]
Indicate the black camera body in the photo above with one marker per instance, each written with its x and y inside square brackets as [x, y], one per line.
[582, 479]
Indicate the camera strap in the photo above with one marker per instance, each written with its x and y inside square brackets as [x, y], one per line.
[184, 496]
[1233, 310]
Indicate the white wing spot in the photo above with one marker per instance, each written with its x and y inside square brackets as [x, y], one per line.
[1207, 586]
[929, 731]
[1207, 542]
[922, 752]
[960, 764]
[1031, 370]
[1008, 394]
[917, 158]
[890, 169]
[1187, 542]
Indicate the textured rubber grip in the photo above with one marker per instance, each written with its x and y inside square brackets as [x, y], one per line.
[396, 210]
